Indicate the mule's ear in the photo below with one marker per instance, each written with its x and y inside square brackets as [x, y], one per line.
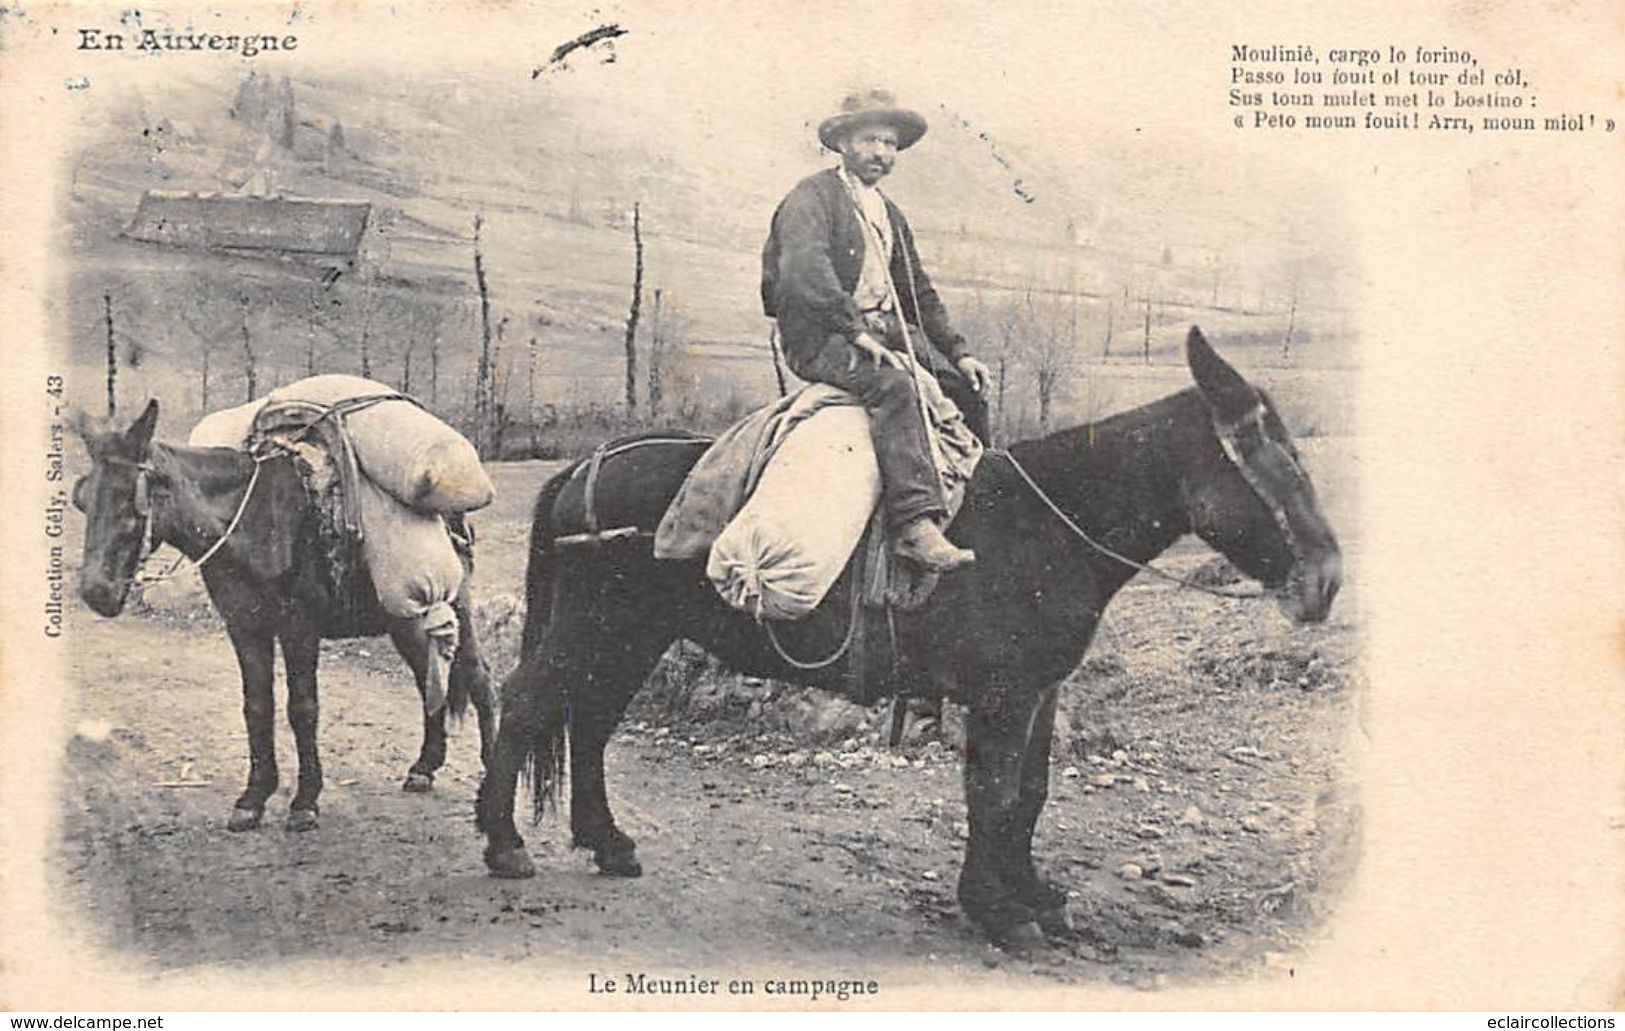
[140, 432]
[83, 424]
[1230, 396]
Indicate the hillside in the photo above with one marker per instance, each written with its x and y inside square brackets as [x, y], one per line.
[1124, 253]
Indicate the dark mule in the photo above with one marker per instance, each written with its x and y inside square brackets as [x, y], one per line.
[268, 583]
[998, 637]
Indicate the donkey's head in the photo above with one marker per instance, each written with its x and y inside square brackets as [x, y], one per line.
[1249, 497]
[114, 498]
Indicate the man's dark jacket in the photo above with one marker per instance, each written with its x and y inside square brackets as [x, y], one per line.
[810, 268]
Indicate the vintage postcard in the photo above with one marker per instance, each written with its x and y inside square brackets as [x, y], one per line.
[821, 506]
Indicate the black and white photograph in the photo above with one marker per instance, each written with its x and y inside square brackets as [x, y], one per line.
[842, 507]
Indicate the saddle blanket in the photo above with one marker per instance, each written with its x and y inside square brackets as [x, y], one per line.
[780, 501]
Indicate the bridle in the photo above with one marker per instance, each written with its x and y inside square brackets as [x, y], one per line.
[1229, 433]
[142, 502]
[1230, 439]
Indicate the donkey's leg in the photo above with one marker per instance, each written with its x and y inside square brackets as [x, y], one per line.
[414, 645]
[598, 701]
[1047, 900]
[988, 889]
[527, 695]
[470, 672]
[301, 649]
[254, 659]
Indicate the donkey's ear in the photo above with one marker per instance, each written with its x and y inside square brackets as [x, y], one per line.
[83, 424]
[1230, 396]
[140, 432]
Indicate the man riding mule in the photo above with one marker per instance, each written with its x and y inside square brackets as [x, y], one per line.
[1059, 525]
[842, 277]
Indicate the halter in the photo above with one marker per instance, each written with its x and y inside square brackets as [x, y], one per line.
[142, 502]
[1228, 434]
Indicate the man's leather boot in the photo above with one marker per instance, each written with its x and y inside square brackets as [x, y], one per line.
[921, 541]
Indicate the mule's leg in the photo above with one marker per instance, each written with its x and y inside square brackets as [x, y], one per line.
[254, 660]
[527, 694]
[414, 645]
[301, 649]
[470, 671]
[598, 701]
[1047, 900]
[988, 889]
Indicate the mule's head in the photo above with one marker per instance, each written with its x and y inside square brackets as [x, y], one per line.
[118, 515]
[1250, 498]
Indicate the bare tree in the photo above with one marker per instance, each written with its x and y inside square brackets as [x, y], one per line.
[112, 358]
[1106, 347]
[369, 305]
[1291, 324]
[434, 371]
[1011, 326]
[530, 392]
[670, 331]
[1049, 351]
[310, 332]
[1147, 346]
[483, 394]
[632, 315]
[657, 347]
[206, 344]
[251, 369]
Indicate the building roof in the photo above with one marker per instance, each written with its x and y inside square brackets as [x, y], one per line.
[269, 226]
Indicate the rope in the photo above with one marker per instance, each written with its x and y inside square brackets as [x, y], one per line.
[840, 649]
[915, 370]
[337, 410]
[145, 582]
[1108, 552]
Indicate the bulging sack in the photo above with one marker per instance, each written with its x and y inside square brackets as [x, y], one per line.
[414, 565]
[404, 449]
[417, 574]
[228, 427]
[782, 552]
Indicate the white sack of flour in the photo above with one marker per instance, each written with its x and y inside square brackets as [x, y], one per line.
[786, 547]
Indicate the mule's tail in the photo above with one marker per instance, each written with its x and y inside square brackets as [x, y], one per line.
[543, 558]
[547, 738]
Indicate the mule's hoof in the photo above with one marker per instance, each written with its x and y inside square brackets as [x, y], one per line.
[510, 863]
[618, 864]
[1056, 922]
[418, 783]
[1021, 939]
[245, 819]
[300, 820]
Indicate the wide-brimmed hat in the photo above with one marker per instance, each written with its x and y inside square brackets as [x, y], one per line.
[863, 108]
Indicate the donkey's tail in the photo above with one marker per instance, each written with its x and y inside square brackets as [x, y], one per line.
[547, 732]
[543, 558]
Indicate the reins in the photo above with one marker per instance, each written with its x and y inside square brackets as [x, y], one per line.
[1083, 535]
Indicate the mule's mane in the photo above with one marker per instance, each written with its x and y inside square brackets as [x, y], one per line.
[1119, 478]
[1120, 424]
[1131, 449]
[209, 469]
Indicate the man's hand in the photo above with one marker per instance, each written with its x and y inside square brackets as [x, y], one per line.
[875, 350]
[978, 374]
